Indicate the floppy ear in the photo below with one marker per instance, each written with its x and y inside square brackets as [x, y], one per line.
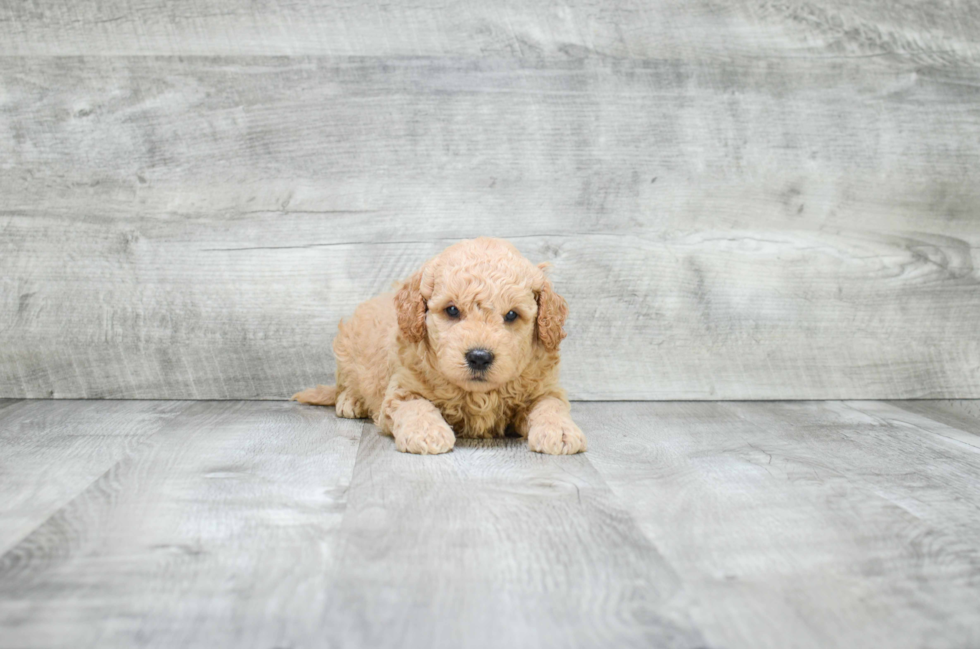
[552, 310]
[410, 307]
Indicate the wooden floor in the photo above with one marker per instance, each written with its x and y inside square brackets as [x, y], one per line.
[695, 524]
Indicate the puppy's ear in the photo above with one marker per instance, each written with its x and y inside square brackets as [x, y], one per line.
[552, 310]
[410, 307]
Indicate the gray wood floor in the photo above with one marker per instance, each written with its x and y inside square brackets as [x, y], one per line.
[688, 524]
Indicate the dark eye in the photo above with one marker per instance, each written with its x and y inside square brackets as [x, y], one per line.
[511, 316]
[452, 311]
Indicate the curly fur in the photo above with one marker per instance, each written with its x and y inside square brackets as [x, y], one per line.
[401, 358]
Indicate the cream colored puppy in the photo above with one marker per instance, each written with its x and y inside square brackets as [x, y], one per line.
[467, 347]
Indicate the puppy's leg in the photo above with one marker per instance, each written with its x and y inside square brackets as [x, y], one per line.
[350, 405]
[418, 427]
[550, 428]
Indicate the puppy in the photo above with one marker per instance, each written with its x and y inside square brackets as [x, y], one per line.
[467, 347]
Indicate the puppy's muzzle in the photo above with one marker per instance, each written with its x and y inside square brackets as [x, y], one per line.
[479, 360]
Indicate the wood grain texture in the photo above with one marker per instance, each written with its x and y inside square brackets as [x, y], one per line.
[929, 32]
[697, 524]
[854, 521]
[495, 546]
[225, 531]
[969, 408]
[51, 452]
[788, 227]
[216, 532]
[961, 414]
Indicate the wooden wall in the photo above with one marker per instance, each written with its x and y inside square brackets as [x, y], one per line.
[742, 200]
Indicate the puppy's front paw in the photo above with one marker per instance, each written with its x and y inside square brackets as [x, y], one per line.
[424, 437]
[430, 440]
[556, 435]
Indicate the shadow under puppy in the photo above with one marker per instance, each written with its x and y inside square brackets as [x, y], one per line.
[468, 347]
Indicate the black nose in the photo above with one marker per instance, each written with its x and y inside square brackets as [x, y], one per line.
[479, 359]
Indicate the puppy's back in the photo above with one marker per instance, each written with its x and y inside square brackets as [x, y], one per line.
[362, 349]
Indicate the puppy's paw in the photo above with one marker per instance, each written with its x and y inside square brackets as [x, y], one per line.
[430, 438]
[350, 407]
[419, 428]
[556, 435]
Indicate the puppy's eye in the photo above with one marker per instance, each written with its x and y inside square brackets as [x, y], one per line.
[511, 316]
[452, 311]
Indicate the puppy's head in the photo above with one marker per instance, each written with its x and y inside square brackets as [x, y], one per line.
[481, 309]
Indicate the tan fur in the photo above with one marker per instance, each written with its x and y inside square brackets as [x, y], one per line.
[401, 358]
[321, 395]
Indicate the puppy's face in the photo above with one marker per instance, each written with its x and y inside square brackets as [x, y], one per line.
[481, 333]
[481, 308]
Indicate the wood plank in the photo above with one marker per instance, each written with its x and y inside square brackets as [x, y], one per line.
[495, 546]
[960, 414]
[752, 228]
[52, 451]
[216, 533]
[933, 33]
[802, 524]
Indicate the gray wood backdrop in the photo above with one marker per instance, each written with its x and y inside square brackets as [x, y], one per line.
[751, 200]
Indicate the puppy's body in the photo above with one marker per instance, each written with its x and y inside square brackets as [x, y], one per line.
[407, 359]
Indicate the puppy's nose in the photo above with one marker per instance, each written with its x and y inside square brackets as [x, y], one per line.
[479, 359]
